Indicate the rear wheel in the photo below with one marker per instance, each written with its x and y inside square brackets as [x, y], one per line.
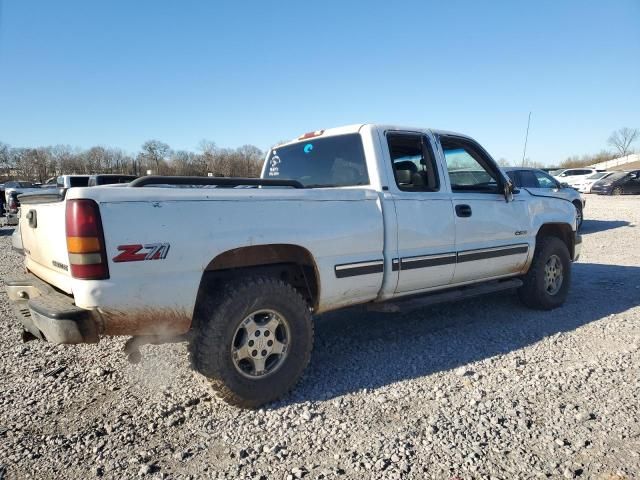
[546, 284]
[617, 191]
[253, 340]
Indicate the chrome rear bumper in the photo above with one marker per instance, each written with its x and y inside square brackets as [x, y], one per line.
[48, 314]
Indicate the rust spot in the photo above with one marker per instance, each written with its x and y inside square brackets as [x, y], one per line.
[148, 321]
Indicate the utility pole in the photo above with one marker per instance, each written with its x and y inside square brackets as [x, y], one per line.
[526, 137]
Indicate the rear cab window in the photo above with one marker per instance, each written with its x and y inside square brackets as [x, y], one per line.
[335, 161]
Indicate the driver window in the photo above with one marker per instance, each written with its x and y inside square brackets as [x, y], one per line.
[468, 170]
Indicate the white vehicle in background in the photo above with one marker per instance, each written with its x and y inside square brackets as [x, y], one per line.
[573, 176]
[585, 185]
[362, 214]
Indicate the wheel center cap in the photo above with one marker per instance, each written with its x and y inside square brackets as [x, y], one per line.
[260, 343]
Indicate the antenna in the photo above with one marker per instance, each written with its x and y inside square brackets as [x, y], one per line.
[526, 137]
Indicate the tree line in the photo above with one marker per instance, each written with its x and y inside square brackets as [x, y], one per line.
[41, 163]
[621, 140]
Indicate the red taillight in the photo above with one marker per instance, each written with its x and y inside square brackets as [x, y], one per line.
[85, 241]
[307, 135]
[12, 204]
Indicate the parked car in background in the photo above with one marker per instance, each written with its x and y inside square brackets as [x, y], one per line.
[68, 181]
[619, 183]
[11, 202]
[573, 176]
[110, 179]
[539, 182]
[12, 207]
[585, 185]
[16, 240]
[19, 184]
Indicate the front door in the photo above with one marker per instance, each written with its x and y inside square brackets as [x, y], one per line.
[491, 233]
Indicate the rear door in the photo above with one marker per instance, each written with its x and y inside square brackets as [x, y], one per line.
[426, 227]
[491, 233]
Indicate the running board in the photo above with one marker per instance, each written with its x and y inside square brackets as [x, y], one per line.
[450, 295]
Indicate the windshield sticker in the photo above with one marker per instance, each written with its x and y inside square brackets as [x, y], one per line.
[308, 147]
[273, 168]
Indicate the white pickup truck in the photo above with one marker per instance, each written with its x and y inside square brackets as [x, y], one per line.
[362, 214]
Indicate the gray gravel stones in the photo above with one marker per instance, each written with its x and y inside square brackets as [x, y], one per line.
[480, 389]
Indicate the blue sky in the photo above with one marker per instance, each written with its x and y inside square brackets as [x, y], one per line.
[118, 73]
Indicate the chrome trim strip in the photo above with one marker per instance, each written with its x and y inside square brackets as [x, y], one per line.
[346, 266]
[361, 268]
[487, 253]
[493, 249]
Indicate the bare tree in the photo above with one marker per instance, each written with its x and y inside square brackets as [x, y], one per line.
[622, 139]
[6, 159]
[42, 162]
[154, 152]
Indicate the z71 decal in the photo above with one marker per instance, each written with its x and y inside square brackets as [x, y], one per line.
[138, 252]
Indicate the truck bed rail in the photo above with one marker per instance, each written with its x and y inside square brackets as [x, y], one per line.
[225, 182]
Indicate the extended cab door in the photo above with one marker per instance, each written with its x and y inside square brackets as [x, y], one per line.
[491, 233]
[426, 227]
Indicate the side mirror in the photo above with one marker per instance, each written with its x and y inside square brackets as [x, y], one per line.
[564, 185]
[508, 190]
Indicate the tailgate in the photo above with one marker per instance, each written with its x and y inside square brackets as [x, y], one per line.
[42, 225]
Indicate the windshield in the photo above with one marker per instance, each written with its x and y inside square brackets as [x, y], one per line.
[336, 161]
[597, 175]
[616, 176]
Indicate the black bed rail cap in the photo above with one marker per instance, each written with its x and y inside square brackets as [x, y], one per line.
[222, 181]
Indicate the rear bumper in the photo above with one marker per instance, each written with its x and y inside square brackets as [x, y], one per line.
[601, 190]
[49, 314]
[12, 219]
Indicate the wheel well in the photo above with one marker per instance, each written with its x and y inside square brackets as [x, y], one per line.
[562, 231]
[291, 263]
[577, 203]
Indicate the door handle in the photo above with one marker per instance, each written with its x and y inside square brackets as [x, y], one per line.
[463, 210]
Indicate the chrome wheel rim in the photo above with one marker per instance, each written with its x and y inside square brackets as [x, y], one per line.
[579, 216]
[553, 275]
[260, 344]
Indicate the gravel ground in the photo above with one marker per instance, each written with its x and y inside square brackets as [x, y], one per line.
[480, 389]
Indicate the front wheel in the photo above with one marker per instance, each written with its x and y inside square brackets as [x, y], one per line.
[253, 340]
[546, 284]
[617, 191]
